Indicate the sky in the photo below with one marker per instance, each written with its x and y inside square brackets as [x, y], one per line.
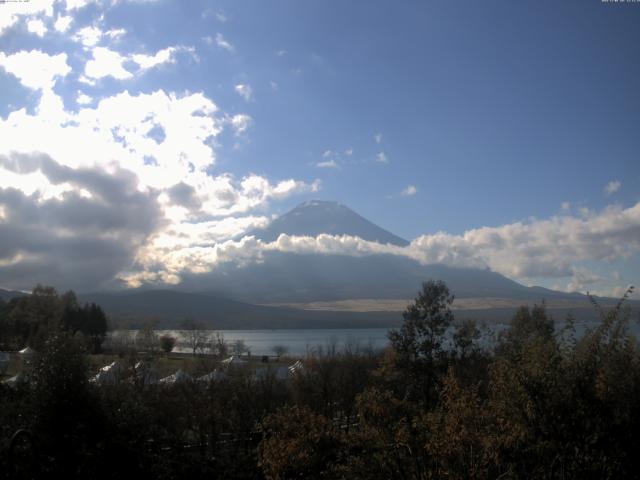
[141, 140]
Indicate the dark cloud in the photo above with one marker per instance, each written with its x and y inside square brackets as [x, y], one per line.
[185, 196]
[75, 241]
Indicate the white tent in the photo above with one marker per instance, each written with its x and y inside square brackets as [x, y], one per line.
[233, 361]
[178, 377]
[27, 352]
[214, 376]
[15, 380]
[108, 375]
[297, 367]
[145, 374]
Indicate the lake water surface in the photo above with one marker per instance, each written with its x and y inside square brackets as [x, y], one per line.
[302, 341]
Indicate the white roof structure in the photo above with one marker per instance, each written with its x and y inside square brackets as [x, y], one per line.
[179, 377]
[297, 367]
[108, 375]
[145, 374]
[15, 380]
[214, 376]
[27, 352]
[233, 361]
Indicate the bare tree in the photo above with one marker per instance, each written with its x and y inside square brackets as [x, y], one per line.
[280, 350]
[239, 347]
[196, 336]
[147, 338]
[219, 345]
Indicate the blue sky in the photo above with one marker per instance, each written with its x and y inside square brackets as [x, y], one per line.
[449, 122]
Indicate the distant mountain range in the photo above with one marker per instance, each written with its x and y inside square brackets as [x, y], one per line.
[7, 295]
[287, 290]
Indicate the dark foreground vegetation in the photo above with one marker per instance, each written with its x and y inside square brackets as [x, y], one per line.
[539, 404]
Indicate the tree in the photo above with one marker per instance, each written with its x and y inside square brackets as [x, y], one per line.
[167, 342]
[239, 347]
[418, 343]
[196, 335]
[147, 338]
[280, 350]
[95, 327]
[465, 337]
[219, 345]
[68, 419]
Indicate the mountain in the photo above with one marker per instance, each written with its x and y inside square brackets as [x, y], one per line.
[287, 290]
[7, 295]
[315, 217]
[297, 278]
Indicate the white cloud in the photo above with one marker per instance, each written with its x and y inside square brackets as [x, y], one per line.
[612, 292]
[88, 36]
[109, 63]
[152, 139]
[63, 23]
[166, 55]
[612, 187]
[581, 279]
[83, 99]
[222, 43]
[566, 206]
[348, 152]
[11, 12]
[37, 26]
[541, 248]
[552, 247]
[410, 190]
[115, 33]
[328, 164]
[159, 137]
[240, 123]
[329, 160]
[77, 4]
[381, 157]
[34, 69]
[377, 138]
[273, 85]
[219, 16]
[106, 63]
[245, 91]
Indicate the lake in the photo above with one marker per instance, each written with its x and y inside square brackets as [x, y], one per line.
[301, 341]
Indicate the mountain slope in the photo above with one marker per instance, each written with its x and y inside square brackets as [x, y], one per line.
[315, 217]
